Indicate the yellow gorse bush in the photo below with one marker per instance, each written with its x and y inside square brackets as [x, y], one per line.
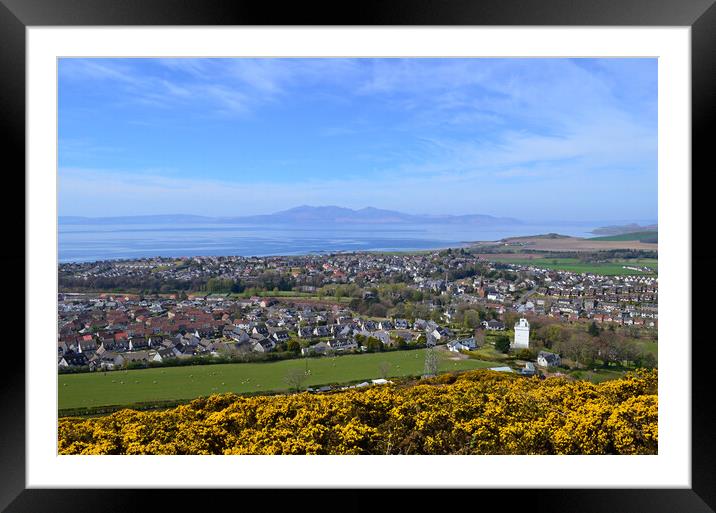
[478, 412]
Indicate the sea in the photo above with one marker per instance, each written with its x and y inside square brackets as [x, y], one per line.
[95, 242]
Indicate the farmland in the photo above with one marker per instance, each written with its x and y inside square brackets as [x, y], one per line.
[649, 236]
[183, 383]
[563, 243]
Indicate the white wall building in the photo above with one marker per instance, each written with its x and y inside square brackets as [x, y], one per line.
[522, 334]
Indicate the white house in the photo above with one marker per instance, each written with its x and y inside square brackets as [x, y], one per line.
[522, 334]
[547, 359]
[466, 344]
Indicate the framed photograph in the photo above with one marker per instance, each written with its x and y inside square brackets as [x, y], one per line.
[416, 247]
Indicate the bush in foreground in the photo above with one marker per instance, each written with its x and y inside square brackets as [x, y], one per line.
[477, 412]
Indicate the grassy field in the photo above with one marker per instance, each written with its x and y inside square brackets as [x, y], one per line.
[646, 345]
[612, 268]
[640, 236]
[179, 383]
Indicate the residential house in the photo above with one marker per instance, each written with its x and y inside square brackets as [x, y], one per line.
[344, 344]
[138, 344]
[321, 331]
[401, 324]
[494, 325]
[73, 359]
[280, 336]
[305, 332]
[386, 325]
[547, 359]
[465, 344]
[263, 345]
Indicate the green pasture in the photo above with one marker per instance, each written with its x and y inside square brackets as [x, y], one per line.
[184, 383]
[648, 236]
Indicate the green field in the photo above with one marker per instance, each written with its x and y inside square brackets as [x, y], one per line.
[184, 383]
[611, 268]
[649, 346]
[650, 236]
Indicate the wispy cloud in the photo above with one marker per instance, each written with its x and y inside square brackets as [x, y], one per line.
[150, 89]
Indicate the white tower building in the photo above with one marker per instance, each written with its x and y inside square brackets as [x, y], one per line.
[522, 334]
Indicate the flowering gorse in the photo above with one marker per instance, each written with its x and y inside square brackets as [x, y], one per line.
[477, 412]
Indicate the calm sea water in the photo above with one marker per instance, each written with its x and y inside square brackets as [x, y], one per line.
[81, 243]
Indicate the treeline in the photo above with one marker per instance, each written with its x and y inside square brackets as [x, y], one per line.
[146, 284]
[604, 255]
[472, 316]
[477, 412]
[619, 254]
[150, 284]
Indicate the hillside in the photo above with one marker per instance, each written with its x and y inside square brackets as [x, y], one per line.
[624, 229]
[477, 412]
[548, 236]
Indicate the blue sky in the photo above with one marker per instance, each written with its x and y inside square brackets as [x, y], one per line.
[539, 139]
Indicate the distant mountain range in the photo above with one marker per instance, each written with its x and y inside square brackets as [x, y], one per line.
[305, 215]
[625, 228]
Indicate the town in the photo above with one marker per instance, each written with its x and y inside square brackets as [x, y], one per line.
[237, 309]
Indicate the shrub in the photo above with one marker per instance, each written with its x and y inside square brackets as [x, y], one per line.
[475, 412]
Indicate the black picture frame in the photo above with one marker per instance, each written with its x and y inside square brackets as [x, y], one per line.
[17, 15]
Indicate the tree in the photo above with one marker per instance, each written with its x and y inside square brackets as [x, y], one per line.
[479, 337]
[398, 342]
[293, 345]
[510, 319]
[436, 315]
[431, 361]
[607, 344]
[471, 319]
[552, 335]
[627, 351]
[295, 378]
[594, 329]
[502, 344]
[580, 348]
[647, 360]
[373, 344]
[377, 310]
